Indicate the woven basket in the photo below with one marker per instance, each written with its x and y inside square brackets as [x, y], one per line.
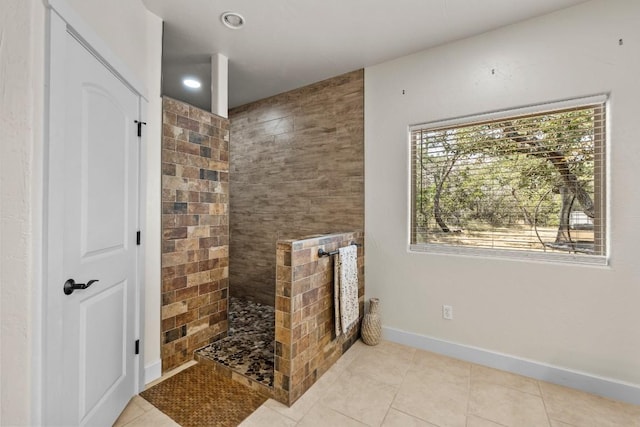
[371, 330]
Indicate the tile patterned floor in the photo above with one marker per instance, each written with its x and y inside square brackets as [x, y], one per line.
[207, 398]
[394, 385]
[249, 348]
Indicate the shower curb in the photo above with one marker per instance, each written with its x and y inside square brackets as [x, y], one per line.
[235, 376]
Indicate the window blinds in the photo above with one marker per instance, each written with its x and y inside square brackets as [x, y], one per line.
[529, 180]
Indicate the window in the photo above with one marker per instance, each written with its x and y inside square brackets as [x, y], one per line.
[526, 183]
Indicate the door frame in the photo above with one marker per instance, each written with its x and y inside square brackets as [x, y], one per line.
[60, 20]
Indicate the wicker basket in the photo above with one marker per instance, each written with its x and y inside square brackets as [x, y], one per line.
[371, 325]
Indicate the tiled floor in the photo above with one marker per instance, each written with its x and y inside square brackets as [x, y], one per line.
[140, 413]
[249, 348]
[207, 397]
[394, 385]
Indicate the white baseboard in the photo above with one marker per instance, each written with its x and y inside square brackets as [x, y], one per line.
[152, 371]
[612, 389]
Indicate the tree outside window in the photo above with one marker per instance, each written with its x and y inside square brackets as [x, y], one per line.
[523, 182]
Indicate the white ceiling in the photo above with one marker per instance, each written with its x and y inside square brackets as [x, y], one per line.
[287, 44]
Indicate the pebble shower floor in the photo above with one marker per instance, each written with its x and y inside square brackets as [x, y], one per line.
[249, 347]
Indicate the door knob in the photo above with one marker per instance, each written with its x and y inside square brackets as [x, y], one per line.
[71, 285]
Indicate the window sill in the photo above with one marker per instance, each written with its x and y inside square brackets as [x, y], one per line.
[550, 257]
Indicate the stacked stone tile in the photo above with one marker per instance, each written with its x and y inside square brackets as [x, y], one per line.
[297, 168]
[306, 346]
[195, 230]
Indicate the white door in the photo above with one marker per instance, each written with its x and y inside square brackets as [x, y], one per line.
[90, 366]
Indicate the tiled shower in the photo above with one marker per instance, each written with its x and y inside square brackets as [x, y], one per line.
[239, 197]
[296, 169]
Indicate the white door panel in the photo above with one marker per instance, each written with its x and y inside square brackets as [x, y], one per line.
[102, 341]
[93, 219]
[104, 219]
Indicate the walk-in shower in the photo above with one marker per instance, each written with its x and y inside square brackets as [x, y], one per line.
[282, 351]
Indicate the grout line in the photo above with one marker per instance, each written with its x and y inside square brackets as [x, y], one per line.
[466, 414]
[544, 403]
[412, 416]
[145, 412]
[488, 420]
[404, 378]
[348, 416]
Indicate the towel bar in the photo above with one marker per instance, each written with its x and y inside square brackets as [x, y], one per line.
[322, 252]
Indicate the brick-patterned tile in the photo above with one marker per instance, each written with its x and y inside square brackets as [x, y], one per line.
[195, 256]
[304, 322]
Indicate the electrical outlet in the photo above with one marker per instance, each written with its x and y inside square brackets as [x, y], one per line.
[447, 312]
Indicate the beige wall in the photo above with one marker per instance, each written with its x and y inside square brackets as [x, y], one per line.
[153, 193]
[21, 98]
[574, 317]
[22, 65]
[122, 25]
[296, 169]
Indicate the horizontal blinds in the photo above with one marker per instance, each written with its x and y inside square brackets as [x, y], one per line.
[528, 182]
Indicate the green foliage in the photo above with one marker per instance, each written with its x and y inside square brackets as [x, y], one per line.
[502, 174]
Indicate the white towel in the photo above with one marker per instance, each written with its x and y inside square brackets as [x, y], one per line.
[346, 289]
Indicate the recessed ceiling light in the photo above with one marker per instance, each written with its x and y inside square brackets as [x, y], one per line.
[232, 20]
[191, 83]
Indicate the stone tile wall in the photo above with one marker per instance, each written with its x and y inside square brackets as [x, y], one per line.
[297, 168]
[306, 345]
[195, 230]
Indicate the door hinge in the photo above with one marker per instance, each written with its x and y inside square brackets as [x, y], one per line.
[137, 346]
[138, 234]
[140, 123]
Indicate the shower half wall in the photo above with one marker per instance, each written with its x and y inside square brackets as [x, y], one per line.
[306, 345]
[297, 168]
